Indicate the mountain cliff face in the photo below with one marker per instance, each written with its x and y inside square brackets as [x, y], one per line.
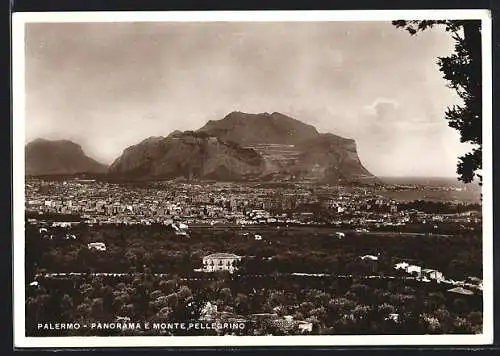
[44, 157]
[244, 146]
[191, 155]
[332, 159]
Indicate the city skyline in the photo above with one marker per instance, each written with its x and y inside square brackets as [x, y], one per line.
[115, 84]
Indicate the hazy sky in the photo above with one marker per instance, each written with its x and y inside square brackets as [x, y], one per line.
[107, 86]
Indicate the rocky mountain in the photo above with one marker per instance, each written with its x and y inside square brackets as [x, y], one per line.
[189, 154]
[61, 157]
[250, 129]
[247, 146]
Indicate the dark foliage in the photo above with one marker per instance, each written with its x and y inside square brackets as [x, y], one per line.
[156, 282]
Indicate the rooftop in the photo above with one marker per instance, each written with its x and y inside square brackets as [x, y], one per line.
[461, 290]
[222, 255]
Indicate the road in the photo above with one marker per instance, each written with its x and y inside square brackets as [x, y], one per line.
[211, 278]
[317, 229]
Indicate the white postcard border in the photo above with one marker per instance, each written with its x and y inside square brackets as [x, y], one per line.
[18, 69]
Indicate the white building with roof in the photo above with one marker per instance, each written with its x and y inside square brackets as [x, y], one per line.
[433, 274]
[370, 257]
[401, 266]
[305, 326]
[220, 262]
[413, 269]
[99, 246]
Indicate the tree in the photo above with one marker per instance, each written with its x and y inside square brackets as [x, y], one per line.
[66, 306]
[462, 70]
[155, 294]
[184, 293]
[168, 286]
[97, 307]
[476, 320]
[226, 295]
[242, 304]
[171, 300]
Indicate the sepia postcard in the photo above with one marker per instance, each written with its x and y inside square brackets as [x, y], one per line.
[252, 178]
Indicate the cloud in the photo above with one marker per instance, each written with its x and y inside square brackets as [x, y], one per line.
[403, 141]
[380, 107]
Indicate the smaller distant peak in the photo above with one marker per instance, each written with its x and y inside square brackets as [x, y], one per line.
[39, 140]
[52, 142]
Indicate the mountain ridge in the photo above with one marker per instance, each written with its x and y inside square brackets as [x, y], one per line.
[190, 154]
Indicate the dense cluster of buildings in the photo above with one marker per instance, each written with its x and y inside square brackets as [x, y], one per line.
[224, 203]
